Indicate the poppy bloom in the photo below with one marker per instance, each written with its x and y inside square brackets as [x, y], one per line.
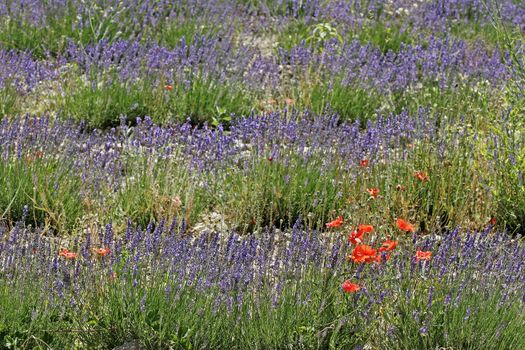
[67, 254]
[388, 245]
[422, 176]
[102, 251]
[270, 158]
[363, 163]
[168, 87]
[350, 287]
[356, 237]
[62, 251]
[336, 223]
[493, 221]
[363, 253]
[405, 226]
[70, 255]
[421, 255]
[365, 228]
[373, 191]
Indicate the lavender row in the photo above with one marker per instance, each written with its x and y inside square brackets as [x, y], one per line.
[483, 263]
[425, 14]
[445, 62]
[270, 135]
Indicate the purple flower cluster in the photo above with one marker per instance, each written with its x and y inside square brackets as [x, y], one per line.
[23, 72]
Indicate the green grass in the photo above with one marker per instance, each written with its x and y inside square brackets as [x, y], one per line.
[61, 26]
[385, 37]
[153, 191]
[47, 187]
[203, 100]
[9, 99]
[275, 193]
[89, 23]
[489, 325]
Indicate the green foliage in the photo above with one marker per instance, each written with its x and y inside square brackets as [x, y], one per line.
[322, 33]
[171, 33]
[350, 102]
[507, 129]
[48, 187]
[82, 27]
[8, 100]
[293, 34]
[88, 22]
[445, 325]
[279, 193]
[101, 106]
[506, 158]
[207, 100]
[102, 103]
[153, 191]
[385, 37]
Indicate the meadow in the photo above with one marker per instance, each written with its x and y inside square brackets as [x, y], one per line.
[262, 174]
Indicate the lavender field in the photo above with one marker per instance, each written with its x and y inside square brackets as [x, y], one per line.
[262, 174]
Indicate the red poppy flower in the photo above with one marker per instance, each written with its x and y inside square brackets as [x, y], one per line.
[363, 163]
[67, 254]
[270, 158]
[405, 226]
[102, 251]
[168, 87]
[336, 223]
[388, 245]
[356, 237]
[373, 191]
[422, 176]
[350, 287]
[363, 253]
[493, 221]
[70, 255]
[365, 228]
[63, 251]
[421, 255]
